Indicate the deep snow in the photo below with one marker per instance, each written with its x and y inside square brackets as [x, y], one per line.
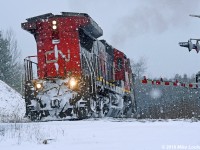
[12, 106]
[101, 134]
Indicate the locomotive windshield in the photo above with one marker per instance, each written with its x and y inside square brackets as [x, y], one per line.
[85, 40]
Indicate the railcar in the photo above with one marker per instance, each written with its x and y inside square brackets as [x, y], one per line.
[78, 75]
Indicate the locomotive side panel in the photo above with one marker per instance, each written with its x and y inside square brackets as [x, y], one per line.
[119, 66]
[123, 72]
[61, 49]
[110, 61]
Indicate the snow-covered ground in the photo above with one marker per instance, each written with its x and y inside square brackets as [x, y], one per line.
[101, 134]
[98, 134]
[12, 106]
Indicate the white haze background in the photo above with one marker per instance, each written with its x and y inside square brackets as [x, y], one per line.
[148, 28]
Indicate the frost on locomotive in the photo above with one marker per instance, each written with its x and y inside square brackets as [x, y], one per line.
[77, 75]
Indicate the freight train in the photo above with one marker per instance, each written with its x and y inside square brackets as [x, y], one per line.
[78, 76]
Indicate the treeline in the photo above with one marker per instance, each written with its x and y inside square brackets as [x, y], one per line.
[10, 60]
[165, 102]
[183, 78]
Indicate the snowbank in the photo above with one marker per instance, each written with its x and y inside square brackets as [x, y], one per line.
[12, 106]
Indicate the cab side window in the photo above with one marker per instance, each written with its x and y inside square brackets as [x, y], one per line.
[119, 64]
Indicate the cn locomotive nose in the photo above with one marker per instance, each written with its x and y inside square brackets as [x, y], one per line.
[77, 74]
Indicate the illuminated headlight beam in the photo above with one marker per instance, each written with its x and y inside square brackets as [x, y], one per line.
[72, 83]
[38, 86]
[54, 22]
[54, 27]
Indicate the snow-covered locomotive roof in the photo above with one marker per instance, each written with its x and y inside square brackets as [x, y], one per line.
[92, 27]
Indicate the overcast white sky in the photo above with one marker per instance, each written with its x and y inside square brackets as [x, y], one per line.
[139, 28]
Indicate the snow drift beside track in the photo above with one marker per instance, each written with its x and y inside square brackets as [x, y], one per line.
[12, 106]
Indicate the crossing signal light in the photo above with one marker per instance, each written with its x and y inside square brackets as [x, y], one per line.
[197, 47]
[188, 45]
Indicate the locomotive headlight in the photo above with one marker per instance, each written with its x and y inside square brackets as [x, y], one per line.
[54, 22]
[54, 27]
[72, 83]
[38, 85]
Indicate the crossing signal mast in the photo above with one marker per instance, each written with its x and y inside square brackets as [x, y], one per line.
[189, 44]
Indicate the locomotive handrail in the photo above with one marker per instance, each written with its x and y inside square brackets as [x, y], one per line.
[28, 68]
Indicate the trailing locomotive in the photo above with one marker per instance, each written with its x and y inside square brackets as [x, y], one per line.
[79, 76]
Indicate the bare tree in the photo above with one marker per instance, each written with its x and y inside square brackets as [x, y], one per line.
[139, 68]
[13, 47]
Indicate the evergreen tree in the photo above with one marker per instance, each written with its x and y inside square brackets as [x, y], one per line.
[5, 60]
[10, 66]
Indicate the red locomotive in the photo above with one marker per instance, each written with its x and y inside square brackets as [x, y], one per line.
[78, 75]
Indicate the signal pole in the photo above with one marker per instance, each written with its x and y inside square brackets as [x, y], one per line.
[191, 46]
